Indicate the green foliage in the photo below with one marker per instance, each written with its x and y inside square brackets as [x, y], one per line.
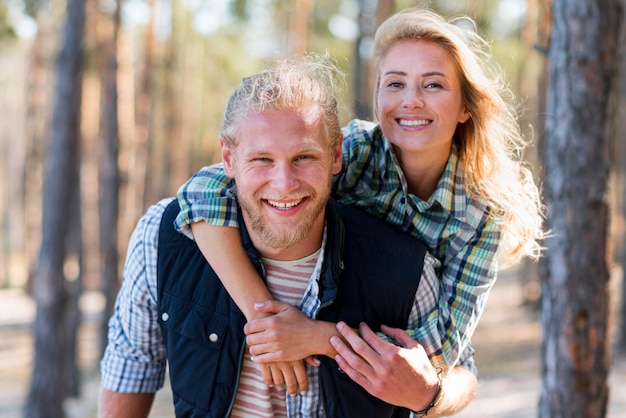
[239, 9]
[32, 7]
[7, 32]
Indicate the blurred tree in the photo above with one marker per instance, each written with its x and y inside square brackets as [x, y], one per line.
[619, 220]
[7, 32]
[300, 25]
[138, 173]
[37, 110]
[59, 261]
[582, 58]
[109, 170]
[362, 79]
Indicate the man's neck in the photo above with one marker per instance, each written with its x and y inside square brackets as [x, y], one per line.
[305, 247]
[294, 252]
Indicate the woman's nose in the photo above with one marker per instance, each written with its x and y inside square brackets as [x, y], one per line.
[413, 98]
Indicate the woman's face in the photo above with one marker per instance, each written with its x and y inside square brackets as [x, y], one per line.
[419, 98]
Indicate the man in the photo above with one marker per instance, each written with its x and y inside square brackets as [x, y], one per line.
[281, 142]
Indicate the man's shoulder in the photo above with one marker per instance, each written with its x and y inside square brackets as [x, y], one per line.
[368, 227]
[151, 219]
[157, 210]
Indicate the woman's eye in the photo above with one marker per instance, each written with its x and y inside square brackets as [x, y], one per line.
[395, 84]
[433, 85]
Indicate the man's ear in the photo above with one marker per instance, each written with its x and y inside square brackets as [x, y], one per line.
[338, 156]
[228, 159]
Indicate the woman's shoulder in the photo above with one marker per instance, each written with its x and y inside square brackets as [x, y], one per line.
[358, 129]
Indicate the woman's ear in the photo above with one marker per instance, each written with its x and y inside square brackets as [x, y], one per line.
[465, 115]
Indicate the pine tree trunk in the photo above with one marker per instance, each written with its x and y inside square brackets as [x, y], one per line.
[582, 73]
[109, 177]
[46, 395]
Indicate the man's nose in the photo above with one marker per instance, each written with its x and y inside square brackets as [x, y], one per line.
[285, 178]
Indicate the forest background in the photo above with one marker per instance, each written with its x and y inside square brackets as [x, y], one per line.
[142, 90]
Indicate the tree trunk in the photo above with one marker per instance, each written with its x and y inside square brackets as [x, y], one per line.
[371, 14]
[38, 98]
[143, 119]
[299, 25]
[46, 395]
[620, 245]
[73, 268]
[176, 161]
[580, 108]
[109, 176]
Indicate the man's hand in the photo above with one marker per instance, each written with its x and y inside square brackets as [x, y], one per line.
[401, 376]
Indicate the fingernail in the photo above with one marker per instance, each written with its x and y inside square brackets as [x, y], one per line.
[303, 393]
[259, 305]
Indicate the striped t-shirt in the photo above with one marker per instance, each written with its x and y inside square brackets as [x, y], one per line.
[287, 280]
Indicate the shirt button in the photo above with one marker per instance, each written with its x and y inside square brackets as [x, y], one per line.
[402, 200]
[165, 316]
[213, 337]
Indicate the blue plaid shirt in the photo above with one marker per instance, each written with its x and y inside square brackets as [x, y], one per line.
[455, 227]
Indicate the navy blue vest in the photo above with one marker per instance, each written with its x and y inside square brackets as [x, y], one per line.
[203, 328]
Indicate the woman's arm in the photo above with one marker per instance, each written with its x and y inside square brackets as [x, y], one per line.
[208, 204]
[222, 248]
[468, 274]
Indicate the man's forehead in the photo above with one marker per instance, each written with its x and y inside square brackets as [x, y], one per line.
[280, 128]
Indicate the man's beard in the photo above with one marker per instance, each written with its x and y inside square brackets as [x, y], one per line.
[285, 235]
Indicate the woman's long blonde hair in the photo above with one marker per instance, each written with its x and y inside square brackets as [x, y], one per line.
[490, 143]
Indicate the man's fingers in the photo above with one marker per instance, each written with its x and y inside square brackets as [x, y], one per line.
[400, 336]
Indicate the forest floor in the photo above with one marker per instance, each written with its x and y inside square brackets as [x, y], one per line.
[507, 344]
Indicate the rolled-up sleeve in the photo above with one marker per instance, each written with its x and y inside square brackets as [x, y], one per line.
[135, 357]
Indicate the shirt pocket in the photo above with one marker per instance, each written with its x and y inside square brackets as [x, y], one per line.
[196, 338]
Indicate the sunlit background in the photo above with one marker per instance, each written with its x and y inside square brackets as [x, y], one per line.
[178, 62]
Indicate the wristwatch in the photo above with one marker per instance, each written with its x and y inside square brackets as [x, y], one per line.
[436, 398]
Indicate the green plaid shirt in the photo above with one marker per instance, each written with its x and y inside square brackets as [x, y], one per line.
[455, 227]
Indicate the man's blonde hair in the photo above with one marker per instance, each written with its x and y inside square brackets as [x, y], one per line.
[308, 83]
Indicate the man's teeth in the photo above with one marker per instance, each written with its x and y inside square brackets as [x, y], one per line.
[420, 122]
[283, 205]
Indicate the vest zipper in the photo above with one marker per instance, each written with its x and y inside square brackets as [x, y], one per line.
[232, 401]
